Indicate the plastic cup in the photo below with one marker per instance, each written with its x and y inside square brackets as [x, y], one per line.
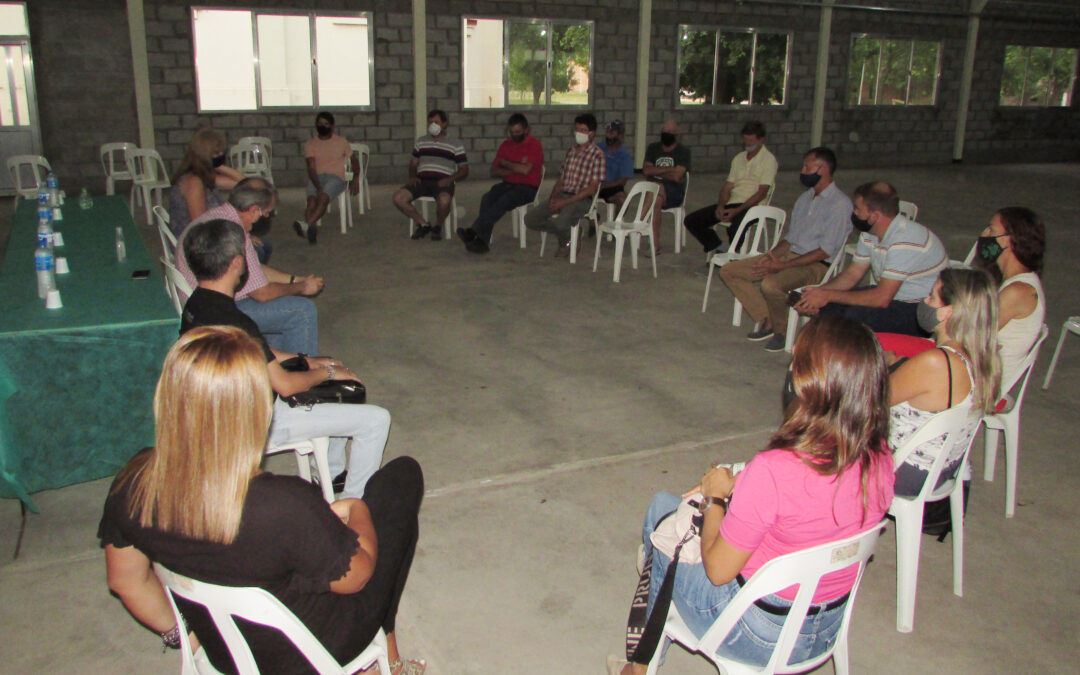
[57, 214]
[58, 239]
[52, 300]
[62, 266]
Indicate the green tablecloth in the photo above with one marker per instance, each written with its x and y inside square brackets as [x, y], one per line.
[77, 383]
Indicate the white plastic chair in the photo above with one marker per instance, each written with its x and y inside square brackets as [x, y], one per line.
[175, 284]
[226, 603]
[115, 166]
[909, 209]
[756, 244]
[679, 214]
[803, 568]
[312, 448]
[1008, 422]
[794, 319]
[1071, 325]
[763, 202]
[634, 221]
[33, 168]
[251, 160]
[168, 239]
[264, 144]
[908, 511]
[344, 202]
[148, 178]
[575, 230]
[363, 197]
[517, 215]
[449, 225]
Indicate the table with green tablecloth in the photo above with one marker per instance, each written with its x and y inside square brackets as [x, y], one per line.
[77, 383]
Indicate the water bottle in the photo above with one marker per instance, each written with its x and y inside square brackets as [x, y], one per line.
[43, 199]
[53, 187]
[85, 202]
[45, 265]
[45, 234]
[121, 249]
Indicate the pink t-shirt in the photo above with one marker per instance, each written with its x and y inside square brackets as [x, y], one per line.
[329, 154]
[781, 505]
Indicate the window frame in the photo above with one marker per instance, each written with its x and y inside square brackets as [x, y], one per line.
[1042, 106]
[313, 45]
[717, 29]
[551, 23]
[881, 37]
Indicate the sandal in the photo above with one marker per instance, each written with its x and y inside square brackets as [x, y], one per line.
[408, 666]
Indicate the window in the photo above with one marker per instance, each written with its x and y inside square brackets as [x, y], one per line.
[732, 66]
[252, 60]
[14, 99]
[1038, 76]
[526, 62]
[893, 72]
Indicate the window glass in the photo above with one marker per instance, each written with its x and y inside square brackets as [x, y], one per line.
[284, 60]
[342, 55]
[1038, 76]
[13, 19]
[893, 72]
[732, 66]
[224, 59]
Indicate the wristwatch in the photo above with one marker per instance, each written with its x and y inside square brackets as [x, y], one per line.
[706, 502]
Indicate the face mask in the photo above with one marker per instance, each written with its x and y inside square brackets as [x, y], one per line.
[926, 316]
[323, 131]
[434, 129]
[666, 138]
[218, 161]
[809, 179]
[517, 139]
[581, 138]
[612, 140]
[988, 249]
[862, 225]
[261, 226]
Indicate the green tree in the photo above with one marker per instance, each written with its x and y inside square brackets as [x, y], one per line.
[696, 65]
[529, 57]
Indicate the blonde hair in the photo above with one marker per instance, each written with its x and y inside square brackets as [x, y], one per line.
[213, 407]
[198, 159]
[973, 325]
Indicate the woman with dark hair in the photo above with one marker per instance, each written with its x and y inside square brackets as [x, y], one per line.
[827, 474]
[198, 503]
[1011, 248]
[201, 173]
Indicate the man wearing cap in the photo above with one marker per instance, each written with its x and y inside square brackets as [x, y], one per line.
[752, 174]
[519, 162]
[619, 165]
[666, 162]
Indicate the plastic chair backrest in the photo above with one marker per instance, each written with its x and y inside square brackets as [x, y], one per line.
[951, 423]
[115, 168]
[631, 213]
[223, 603]
[365, 155]
[768, 196]
[250, 159]
[146, 167]
[910, 211]
[168, 239]
[805, 569]
[263, 143]
[758, 217]
[1023, 374]
[177, 279]
[38, 168]
[686, 194]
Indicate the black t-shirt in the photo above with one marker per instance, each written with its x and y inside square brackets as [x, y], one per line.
[210, 308]
[663, 159]
[290, 543]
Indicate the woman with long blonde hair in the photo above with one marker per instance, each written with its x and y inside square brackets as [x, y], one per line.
[198, 503]
[195, 184]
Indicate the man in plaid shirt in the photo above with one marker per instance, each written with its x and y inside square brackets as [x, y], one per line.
[581, 174]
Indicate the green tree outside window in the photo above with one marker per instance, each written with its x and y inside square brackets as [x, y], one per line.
[743, 67]
[1038, 76]
[893, 72]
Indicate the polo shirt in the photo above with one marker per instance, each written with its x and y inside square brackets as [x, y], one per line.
[438, 159]
[748, 175]
[256, 277]
[908, 253]
[210, 308]
[820, 221]
[528, 151]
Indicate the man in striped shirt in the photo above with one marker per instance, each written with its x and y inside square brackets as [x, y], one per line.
[904, 257]
[580, 176]
[438, 162]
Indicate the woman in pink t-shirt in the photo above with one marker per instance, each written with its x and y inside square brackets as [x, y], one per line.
[826, 475]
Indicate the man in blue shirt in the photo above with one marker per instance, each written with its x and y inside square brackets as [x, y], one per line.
[620, 165]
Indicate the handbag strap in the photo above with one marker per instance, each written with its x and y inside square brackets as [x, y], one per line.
[654, 627]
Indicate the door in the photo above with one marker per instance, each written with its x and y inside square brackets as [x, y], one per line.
[19, 130]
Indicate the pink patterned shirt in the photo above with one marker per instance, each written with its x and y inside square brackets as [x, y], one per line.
[256, 277]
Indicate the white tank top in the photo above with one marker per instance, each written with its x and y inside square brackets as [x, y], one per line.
[1017, 336]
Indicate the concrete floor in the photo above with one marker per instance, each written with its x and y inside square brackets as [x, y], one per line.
[546, 405]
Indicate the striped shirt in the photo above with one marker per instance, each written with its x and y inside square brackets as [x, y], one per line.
[438, 159]
[583, 164]
[909, 253]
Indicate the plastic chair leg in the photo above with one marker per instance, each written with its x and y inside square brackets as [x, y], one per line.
[635, 245]
[736, 314]
[596, 251]
[575, 235]
[652, 245]
[990, 443]
[792, 328]
[620, 242]
[840, 656]
[708, 285]
[1057, 353]
[956, 506]
[1012, 461]
[543, 242]
[908, 543]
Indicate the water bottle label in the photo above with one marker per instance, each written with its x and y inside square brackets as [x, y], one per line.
[43, 197]
[43, 263]
[45, 239]
[45, 214]
[52, 182]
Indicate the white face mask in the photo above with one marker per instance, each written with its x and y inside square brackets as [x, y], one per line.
[434, 129]
[581, 138]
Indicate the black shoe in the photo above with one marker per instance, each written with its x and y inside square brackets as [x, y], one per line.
[299, 227]
[466, 234]
[421, 232]
[436, 233]
[312, 234]
[338, 483]
[476, 245]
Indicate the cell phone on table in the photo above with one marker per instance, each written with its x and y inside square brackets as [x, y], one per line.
[140, 274]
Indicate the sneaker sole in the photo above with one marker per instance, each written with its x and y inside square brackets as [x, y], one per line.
[761, 338]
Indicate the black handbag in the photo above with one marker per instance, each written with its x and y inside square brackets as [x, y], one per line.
[331, 391]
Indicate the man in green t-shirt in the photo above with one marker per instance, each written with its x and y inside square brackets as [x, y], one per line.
[667, 161]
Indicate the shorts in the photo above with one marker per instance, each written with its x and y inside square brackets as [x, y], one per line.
[429, 187]
[607, 193]
[332, 185]
[674, 193]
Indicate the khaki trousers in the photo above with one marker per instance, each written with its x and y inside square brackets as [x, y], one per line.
[770, 299]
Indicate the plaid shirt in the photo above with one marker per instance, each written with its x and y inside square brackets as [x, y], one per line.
[256, 277]
[583, 164]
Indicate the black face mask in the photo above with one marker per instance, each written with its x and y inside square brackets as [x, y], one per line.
[667, 139]
[517, 139]
[261, 226]
[323, 131]
[809, 179]
[861, 224]
[988, 249]
[218, 161]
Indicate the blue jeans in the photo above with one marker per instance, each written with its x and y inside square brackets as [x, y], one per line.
[897, 317]
[500, 199]
[290, 323]
[700, 602]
